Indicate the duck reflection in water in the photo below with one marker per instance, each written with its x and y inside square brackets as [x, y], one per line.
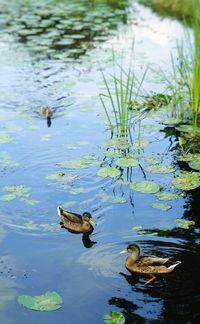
[76, 224]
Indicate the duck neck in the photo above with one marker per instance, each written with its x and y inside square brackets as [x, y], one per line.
[135, 255]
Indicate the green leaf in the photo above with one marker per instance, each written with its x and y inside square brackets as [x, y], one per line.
[5, 138]
[79, 163]
[140, 145]
[114, 318]
[108, 172]
[195, 164]
[163, 207]
[160, 169]
[118, 200]
[184, 223]
[172, 121]
[152, 160]
[19, 190]
[167, 196]
[31, 202]
[76, 191]
[8, 197]
[187, 181]
[127, 162]
[62, 177]
[137, 228]
[50, 301]
[145, 186]
[118, 143]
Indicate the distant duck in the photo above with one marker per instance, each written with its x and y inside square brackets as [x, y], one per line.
[46, 112]
[75, 222]
[147, 264]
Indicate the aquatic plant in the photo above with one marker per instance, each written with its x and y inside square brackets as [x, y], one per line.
[50, 301]
[121, 97]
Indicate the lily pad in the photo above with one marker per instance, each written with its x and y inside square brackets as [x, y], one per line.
[76, 191]
[140, 145]
[160, 169]
[189, 157]
[8, 197]
[145, 186]
[172, 121]
[118, 200]
[18, 190]
[50, 301]
[113, 153]
[5, 138]
[152, 160]
[163, 207]
[127, 162]
[167, 196]
[114, 318]
[188, 129]
[184, 223]
[187, 181]
[137, 228]
[62, 177]
[79, 163]
[108, 172]
[118, 143]
[195, 164]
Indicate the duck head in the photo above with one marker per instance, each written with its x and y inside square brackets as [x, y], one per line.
[87, 217]
[134, 250]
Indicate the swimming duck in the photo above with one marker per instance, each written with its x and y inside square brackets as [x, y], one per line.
[147, 264]
[46, 112]
[75, 222]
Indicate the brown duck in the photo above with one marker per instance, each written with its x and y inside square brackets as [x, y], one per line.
[75, 222]
[147, 264]
[46, 112]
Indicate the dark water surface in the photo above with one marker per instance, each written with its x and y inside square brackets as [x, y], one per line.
[37, 69]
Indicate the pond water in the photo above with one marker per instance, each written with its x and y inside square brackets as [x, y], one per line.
[51, 53]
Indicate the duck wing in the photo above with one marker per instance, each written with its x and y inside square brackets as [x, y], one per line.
[151, 260]
[71, 217]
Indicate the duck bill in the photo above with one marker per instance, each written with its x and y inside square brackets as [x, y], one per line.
[123, 251]
[92, 221]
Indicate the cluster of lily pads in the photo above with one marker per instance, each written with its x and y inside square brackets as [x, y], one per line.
[18, 191]
[60, 29]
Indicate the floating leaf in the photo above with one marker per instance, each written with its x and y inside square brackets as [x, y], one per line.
[145, 186]
[160, 169]
[49, 227]
[137, 228]
[114, 318]
[113, 153]
[172, 121]
[118, 200]
[79, 163]
[188, 129]
[163, 207]
[188, 157]
[167, 196]
[5, 138]
[140, 145]
[62, 177]
[184, 223]
[152, 160]
[195, 164]
[118, 143]
[8, 197]
[127, 162]
[30, 201]
[50, 301]
[18, 190]
[108, 172]
[187, 181]
[76, 191]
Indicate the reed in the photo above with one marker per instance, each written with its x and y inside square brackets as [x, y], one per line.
[122, 92]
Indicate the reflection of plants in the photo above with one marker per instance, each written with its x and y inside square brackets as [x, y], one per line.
[121, 97]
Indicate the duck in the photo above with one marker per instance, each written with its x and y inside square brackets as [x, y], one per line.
[46, 112]
[76, 223]
[147, 264]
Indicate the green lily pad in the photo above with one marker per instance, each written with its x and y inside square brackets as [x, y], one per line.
[19, 190]
[31, 202]
[113, 153]
[62, 177]
[108, 172]
[163, 207]
[79, 163]
[167, 196]
[50, 301]
[114, 318]
[187, 181]
[137, 228]
[195, 164]
[145, 186]
[172, 121]
[160, 169]
[140, 145]
[76, 191]
[118, 200]
[184, 223]
[152, 160]
[8, 197]
[153, 127]
[5, 138]
[118, 143]
[188, 129]
[127, 162]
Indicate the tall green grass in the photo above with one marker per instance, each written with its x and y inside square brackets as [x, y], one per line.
[121, 95]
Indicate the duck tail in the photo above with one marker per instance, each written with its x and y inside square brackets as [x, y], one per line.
[173, 266]
[59, 210]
